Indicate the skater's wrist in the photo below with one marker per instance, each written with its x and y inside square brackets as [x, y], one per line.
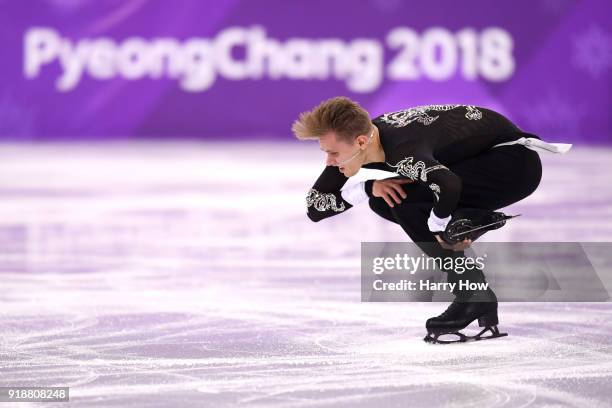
[437, 224]
[355, 193]
[368, 186]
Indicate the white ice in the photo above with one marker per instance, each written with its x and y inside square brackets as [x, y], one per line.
[186, 274]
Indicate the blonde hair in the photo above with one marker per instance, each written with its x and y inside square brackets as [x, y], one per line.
[346, 118]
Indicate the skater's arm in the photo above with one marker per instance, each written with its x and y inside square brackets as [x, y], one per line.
[417, 163]
[325, 198]
[390, 189]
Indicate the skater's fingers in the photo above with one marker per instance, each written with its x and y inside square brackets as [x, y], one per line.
[443, 243]
[459, 246]
[463, 245]
[403, 181]
[399, 189]
[388, 200]
[394, 195]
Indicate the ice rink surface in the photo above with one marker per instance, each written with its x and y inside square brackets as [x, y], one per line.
[158, 274]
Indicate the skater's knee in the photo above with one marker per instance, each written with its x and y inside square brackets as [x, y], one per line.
[531, 175]
[380, 207]
[536, 172]
[376, 204]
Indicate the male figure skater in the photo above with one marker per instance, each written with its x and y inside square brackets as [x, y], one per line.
[450, 158]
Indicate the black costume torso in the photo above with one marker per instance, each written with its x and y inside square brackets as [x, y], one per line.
[420, 143]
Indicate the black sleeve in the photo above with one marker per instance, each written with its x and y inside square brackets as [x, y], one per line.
[324, 198]
[419, 164]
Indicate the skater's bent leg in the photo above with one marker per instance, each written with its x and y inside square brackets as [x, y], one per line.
[413, 219]
[380, 207]
[499, 177]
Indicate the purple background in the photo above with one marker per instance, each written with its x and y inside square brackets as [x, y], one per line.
[560, 88]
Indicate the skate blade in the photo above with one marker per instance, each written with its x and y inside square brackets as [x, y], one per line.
[434, 338]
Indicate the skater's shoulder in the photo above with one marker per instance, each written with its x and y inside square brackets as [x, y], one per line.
[425, 115]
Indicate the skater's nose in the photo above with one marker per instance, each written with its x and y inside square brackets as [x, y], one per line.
[330, 161]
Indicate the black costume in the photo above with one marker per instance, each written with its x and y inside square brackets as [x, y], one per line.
[454, 154]
[429, 144]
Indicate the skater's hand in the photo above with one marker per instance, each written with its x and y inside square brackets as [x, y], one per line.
[390, 190]
[459, 246]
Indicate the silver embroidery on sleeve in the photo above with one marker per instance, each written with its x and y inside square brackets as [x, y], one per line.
[323, 201]
[420, 114]
[436, 190]
[415, 171]
[473, 113]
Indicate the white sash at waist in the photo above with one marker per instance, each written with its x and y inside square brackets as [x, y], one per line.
[539, 145]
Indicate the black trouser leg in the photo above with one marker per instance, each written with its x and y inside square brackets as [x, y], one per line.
[412, 217]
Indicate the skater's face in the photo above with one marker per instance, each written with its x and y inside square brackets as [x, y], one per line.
[348, 157]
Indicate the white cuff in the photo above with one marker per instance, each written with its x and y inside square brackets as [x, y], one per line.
[355, 193]
[436, 224]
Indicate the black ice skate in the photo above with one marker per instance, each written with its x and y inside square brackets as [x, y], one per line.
[481, 305]
[472, 223]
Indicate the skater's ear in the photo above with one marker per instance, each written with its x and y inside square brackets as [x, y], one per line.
[364, 140]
